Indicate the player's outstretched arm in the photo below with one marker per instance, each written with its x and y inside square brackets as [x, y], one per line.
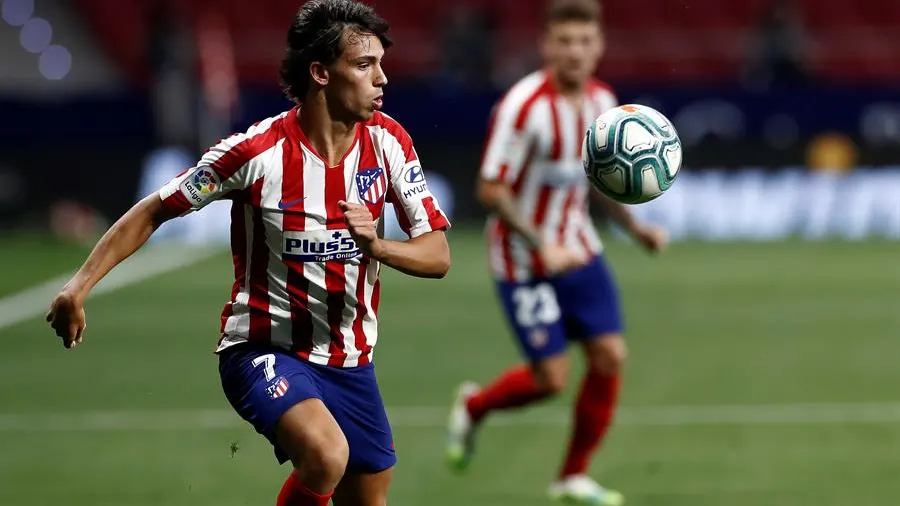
[654, 239]
[124, 237]
[425, 256]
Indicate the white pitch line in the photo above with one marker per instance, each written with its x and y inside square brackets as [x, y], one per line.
[435, 416]
[148, 262]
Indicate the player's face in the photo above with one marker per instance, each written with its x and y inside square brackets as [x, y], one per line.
[356, 79]
[571, 50]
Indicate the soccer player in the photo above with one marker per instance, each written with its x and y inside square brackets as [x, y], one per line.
[308, 187]
[545, 254]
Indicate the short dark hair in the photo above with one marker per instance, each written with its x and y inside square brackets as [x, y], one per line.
[571, 10]
[317, 34]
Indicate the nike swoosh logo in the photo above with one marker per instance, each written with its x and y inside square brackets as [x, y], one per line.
[287, 205]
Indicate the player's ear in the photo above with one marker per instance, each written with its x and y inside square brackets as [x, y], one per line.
[319, 73]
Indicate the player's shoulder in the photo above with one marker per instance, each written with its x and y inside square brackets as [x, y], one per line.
[276, 123]
[525, 91]
[601, 91]
[257, 137]
[241, 148]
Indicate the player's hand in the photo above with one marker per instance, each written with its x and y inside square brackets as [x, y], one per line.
[66, 317]
[654, 239]
[558, 258]
[361, 226]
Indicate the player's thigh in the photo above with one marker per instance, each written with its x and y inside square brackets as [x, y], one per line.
[352, 396]
[589, 301]
[533, 313]
[363, 489]
[279, 395]
[311, 438]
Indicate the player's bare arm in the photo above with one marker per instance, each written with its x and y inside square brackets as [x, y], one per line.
[66, 313]
[653, 238]
[498, 197]
[425, 256]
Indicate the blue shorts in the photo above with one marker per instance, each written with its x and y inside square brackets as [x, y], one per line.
[546, 313]
[262, 383]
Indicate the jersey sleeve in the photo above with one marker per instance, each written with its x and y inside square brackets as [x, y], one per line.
[228, 166]
[417, 209]
[508, 143]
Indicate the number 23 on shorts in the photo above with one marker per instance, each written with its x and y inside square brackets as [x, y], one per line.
[535, 305]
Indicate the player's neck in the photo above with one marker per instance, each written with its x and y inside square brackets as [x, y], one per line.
[568, 90]
[329, 137]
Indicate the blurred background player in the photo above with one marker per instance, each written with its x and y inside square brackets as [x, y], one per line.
[295, 354]
[545, 254]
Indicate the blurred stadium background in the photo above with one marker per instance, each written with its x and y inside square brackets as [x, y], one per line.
[764, 351]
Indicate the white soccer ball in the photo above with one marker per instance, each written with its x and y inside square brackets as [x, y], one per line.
[631, 153]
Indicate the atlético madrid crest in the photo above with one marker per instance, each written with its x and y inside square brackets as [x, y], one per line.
[372, 184]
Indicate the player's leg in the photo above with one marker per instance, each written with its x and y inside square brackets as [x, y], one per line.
[534, 316]
[279, 395]
[363, 489]
[353, 396]
[311, 438]
[590, 305]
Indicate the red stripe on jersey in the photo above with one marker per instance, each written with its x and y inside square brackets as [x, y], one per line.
[376, 297]
[176, 203]
[522, 117]
[579, 132]
[294, 219]
[556, 147]
[238, 155]
[540, 216]
[335, 276]
[359, 335]
[260, 321]
[568, 204]
[336, 287]
[238, 256]
[436, 219]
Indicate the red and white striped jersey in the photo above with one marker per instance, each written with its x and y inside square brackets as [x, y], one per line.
[534, 145]
[301, 282]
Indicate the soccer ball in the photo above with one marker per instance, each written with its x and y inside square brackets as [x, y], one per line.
[631, 153]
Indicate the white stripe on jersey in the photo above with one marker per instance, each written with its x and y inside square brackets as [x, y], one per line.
[314, 177]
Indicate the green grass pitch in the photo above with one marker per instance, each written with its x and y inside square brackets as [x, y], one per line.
[728, 343]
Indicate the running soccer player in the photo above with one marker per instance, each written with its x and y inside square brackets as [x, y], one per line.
[308, 188]
[545, 254]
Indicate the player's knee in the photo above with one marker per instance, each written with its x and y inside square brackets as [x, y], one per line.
[326, 458]
[552, 375]
[607, 354]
